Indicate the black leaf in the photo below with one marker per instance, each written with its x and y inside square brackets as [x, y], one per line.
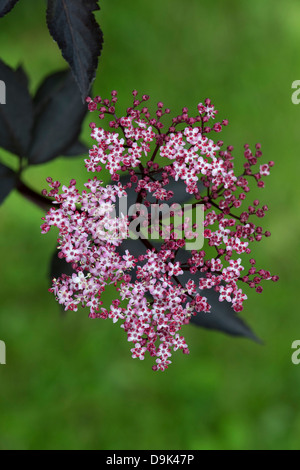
[73, 26]
[59, 113]
[8, 179]
[221, 317]
[48, 89]
[59, 266]
[16, 116]
[78, 148]
[21, 74]
[6, 6]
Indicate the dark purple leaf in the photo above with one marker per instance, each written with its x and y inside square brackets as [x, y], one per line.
[59, 113]
[8, 179]
[73, 26]
[21, 74]
[16, 116]
[48, 89]
[6, 6]
[221, 317]
[78, 148]
[59, 266]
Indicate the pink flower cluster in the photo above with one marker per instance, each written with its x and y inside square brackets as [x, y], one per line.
[153, 305]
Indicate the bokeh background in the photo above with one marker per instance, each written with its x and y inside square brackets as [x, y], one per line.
[69, 382]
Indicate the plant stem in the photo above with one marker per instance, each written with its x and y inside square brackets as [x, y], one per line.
[41, 201]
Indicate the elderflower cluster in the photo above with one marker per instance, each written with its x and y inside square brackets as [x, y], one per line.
[152, 302]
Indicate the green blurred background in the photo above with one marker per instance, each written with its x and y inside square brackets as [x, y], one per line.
[69, 382]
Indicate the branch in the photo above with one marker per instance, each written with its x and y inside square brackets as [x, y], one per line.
[34, 197]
